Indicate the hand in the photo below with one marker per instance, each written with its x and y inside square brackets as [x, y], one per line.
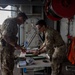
[23, 50]
[20, 48]
[36, 52]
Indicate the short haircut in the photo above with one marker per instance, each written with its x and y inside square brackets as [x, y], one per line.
[41, 23]
[22, 14]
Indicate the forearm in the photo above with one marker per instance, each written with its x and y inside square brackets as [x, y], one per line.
[42, 50]
[42, 46]
[10, 40]
[13, 43]
[18, 47]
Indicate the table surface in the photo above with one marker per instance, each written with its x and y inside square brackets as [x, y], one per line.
[37, 63]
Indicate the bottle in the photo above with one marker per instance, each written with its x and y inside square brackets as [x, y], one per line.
[26, 44]
[24, 70]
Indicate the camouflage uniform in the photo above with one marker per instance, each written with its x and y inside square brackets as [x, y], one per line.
[9, 31]
[53, 38]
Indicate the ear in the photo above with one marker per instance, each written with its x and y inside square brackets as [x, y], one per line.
[21, 20]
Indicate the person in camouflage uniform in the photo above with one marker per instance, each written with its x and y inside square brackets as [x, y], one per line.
[53, 45]
[9, 42]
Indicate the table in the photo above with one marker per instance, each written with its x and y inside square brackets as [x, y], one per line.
[37, 63]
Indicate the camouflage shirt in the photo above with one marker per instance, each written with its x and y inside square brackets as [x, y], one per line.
[9, 30]
[52, 38]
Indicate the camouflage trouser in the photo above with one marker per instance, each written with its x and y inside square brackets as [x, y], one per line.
[7, 61]
[57, 60]
[56, 66]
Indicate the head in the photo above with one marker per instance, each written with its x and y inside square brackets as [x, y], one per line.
[21, 17]
[41, 25]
